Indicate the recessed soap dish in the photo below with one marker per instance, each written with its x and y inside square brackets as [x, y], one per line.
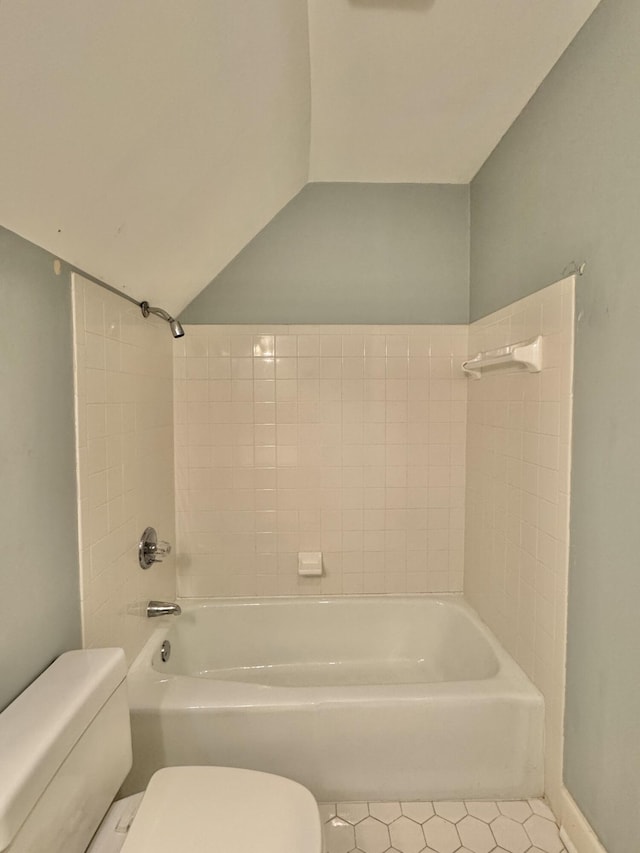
[310, 563]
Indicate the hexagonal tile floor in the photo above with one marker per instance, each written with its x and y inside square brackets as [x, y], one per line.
[522, 826]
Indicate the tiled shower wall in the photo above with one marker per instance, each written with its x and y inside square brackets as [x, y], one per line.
[348, 440]
[124, 425]
[518, 468]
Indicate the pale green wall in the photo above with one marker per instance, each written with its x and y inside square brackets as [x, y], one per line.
[564, 184]
[351, 253]
[40, 611]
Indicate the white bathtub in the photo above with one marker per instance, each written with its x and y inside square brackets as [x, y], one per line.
[358, 698]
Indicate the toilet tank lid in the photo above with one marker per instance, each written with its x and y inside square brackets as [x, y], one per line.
[40, 727]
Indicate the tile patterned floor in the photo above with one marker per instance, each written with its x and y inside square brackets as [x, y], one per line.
[522, 826]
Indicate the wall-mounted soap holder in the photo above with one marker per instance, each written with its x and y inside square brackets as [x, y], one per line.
[527, 354]
[150, 550]
[310, 564]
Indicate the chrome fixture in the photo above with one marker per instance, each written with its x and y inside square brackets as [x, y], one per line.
[163, 608]
[176, 328]
[151, 551]
[165, 651]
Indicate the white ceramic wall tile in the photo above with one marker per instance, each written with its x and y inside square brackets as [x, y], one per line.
[348, 440]
[124, 425]
[517, 507]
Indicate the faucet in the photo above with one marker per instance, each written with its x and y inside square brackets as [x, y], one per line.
[163, 608]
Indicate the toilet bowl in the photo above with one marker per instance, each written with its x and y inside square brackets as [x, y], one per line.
[65, 749]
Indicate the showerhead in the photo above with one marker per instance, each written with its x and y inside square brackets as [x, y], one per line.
[176, 328]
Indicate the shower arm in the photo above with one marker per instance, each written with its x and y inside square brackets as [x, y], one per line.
[176, 328]
[159, 312]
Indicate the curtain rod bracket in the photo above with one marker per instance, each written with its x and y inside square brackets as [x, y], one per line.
[574, 268]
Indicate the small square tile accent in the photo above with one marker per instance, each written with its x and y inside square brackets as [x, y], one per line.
[471, 827]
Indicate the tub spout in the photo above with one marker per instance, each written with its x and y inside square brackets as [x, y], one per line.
[163, 608]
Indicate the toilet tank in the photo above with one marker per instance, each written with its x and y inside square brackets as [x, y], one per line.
[65, 749]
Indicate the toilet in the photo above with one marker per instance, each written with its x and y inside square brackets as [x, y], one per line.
[65, 749]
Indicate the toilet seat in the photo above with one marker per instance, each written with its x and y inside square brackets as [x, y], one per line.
[198, 809]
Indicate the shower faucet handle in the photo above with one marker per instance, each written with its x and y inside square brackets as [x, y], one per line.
[150, 549]
[160, 550]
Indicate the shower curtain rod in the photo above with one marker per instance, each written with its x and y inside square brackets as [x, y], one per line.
[100, 283]
[176, 327]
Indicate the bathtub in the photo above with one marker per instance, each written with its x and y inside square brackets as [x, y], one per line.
[358, 698]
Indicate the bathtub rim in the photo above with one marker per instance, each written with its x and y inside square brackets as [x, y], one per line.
[150, 689]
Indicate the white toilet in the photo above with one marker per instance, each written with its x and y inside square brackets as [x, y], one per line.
[65, 749]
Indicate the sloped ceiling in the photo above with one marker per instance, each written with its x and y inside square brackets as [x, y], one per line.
[422, 90]
[148, 142]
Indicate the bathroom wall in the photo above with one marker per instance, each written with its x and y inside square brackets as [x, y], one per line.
[351, 253]
[518, 464]
[124, 413]
[40, 610]
[564, 184]
[345, 439]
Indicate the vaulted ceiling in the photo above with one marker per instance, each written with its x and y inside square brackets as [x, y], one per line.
[422, 90]
[148, 142]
